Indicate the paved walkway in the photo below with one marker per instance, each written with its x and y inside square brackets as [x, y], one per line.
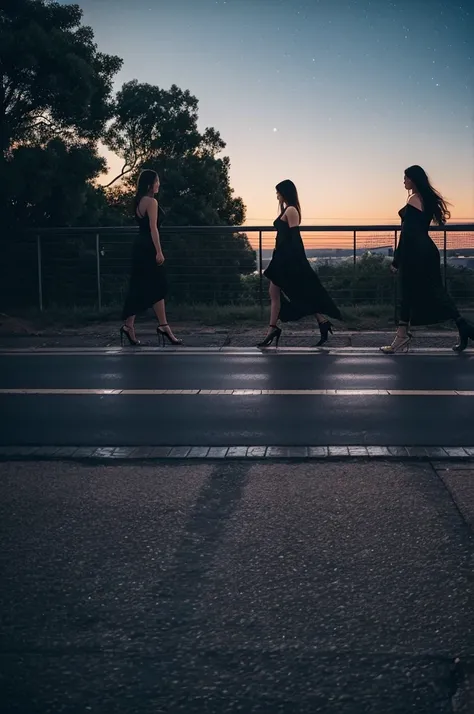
[106, 335]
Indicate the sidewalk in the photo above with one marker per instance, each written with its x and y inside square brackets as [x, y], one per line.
[107, 335]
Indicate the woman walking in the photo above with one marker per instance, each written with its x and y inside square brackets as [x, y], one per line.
[148, 285]
[424, 299]
[295, 288]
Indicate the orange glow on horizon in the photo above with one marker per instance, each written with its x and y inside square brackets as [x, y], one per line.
[366, 201]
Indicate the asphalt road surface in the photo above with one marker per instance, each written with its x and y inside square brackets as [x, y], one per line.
[212, 588]
[151, 398]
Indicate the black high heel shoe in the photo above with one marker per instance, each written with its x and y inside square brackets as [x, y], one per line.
[275, 334]
[466, 333]
[166, 336]
[125, 331]
[325, 328]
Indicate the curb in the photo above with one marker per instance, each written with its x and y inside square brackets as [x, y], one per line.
[254, 453]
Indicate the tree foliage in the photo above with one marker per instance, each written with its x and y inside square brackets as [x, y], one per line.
[57, 104]
[152, 122]
[51, 185]
[55, 82]
[157, 128]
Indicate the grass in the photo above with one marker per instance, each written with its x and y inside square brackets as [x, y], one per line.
[358, 317]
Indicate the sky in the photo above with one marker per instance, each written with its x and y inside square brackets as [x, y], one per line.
[338, 95]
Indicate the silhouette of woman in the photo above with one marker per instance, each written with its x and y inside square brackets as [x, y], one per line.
[295, 288]
[148, 285]
[424, 299]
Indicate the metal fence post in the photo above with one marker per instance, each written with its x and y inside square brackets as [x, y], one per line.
[445, 259]
[40, 272]
[260, 272]
[354, 264]
[395, 284]
[97, 256]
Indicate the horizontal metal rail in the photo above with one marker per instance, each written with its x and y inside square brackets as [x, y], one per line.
[450, 227]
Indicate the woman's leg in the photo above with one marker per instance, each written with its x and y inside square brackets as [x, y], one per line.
[160, 312]
[465, 329]
[402, 338]
[404, 321]
[129, 325]
[275, 303]
[325, 327]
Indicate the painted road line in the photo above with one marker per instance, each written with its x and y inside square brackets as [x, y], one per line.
[423, 392]
[232, 351]
[243, 392]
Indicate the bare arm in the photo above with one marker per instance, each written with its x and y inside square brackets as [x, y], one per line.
[397, 254]
[152, 211]
[292, 217]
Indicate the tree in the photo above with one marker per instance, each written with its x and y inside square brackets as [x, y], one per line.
[150, 121]
[51, 186]
[54, 80]
[157, 129]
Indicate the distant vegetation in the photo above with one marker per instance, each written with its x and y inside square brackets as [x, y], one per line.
[369, 282]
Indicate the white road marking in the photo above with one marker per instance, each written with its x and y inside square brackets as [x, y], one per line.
[232, 351]
[243, 392]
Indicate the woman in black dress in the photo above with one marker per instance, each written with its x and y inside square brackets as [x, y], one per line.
[295, 288]
[148, 286]
[424, 299]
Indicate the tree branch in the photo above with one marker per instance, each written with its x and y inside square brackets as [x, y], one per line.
[127, 168]
[9, 89]
[18, 106]
[123, 173]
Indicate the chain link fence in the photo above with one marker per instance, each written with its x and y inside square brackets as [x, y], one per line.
[61, 268]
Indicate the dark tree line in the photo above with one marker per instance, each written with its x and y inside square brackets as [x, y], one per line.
[57, 105]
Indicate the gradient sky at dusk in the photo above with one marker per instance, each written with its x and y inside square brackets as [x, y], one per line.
[338, 95]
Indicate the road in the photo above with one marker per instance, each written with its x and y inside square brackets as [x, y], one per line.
[213, 587]
[153, 398]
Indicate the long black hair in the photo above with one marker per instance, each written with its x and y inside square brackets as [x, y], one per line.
[146, 181]
[433, 202]
[288, 192]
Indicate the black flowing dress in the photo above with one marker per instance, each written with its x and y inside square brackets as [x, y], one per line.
[423, 297]
[302, 293]
[148, 283]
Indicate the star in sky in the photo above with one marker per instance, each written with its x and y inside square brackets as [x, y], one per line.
[345, 69]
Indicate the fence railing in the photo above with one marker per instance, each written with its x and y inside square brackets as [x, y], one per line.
[79, 267]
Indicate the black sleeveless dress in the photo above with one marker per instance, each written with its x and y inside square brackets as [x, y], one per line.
[148, 283]
[423, 297]
[302, 292]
